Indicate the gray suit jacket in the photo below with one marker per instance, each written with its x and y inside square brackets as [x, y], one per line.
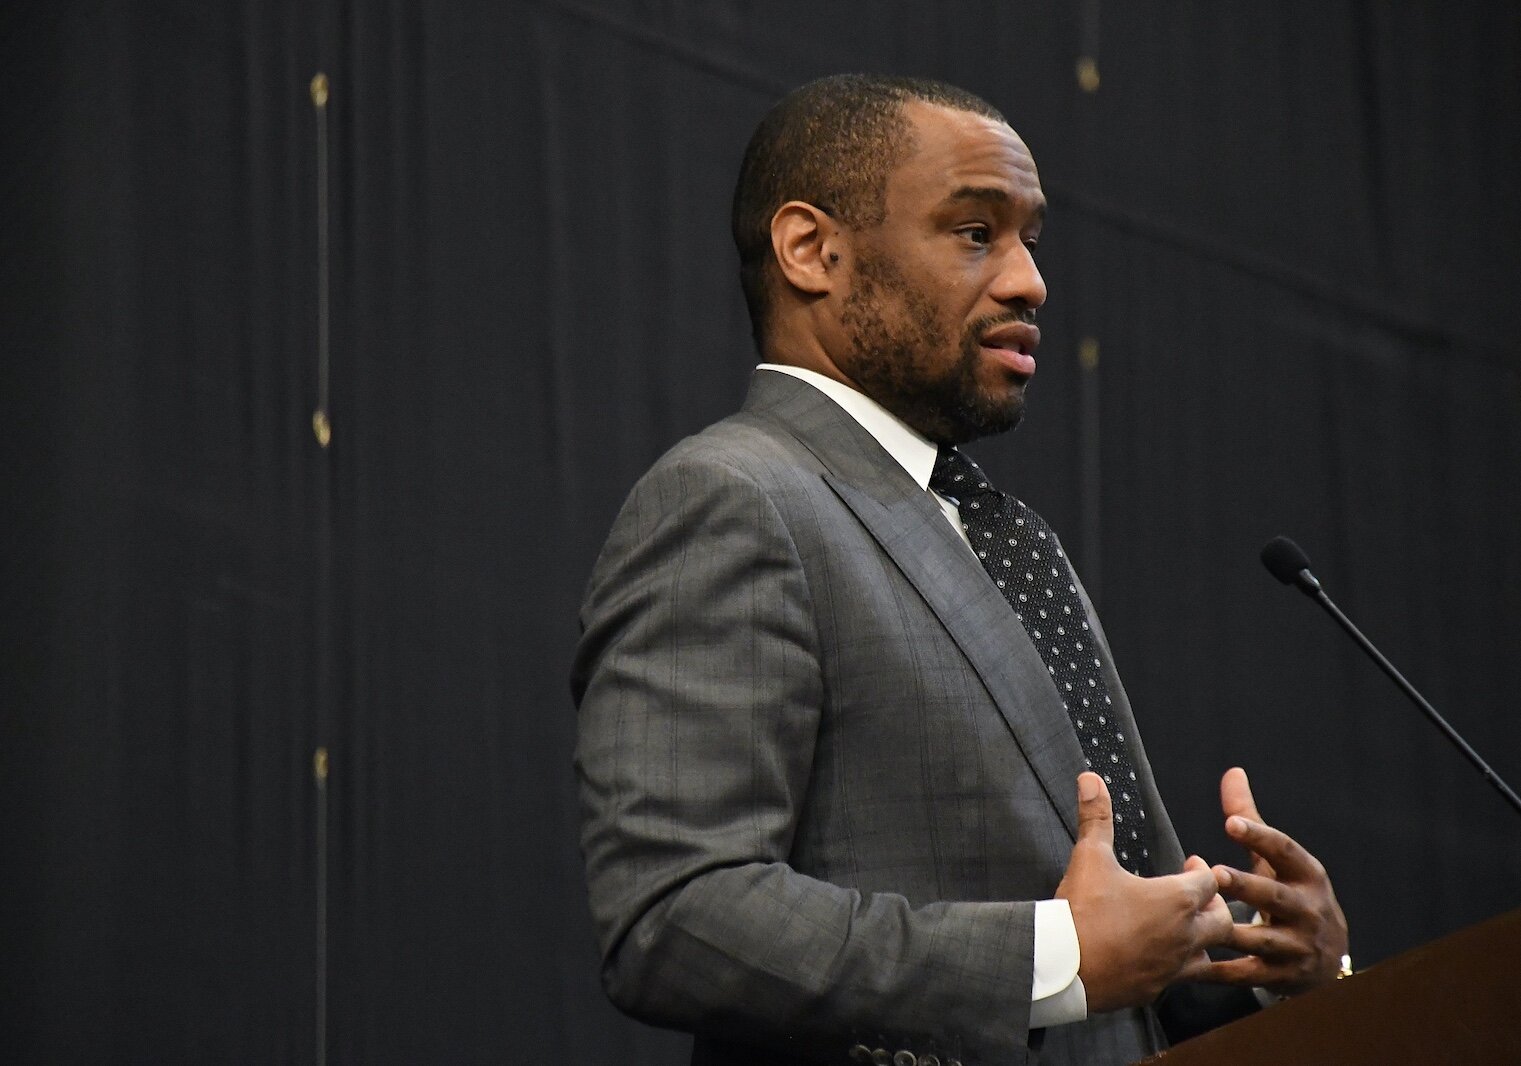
[823, 770]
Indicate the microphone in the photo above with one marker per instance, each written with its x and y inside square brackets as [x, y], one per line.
[1287, 562]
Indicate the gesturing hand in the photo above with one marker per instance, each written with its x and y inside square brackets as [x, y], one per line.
[1303, 933]
[1136, 934]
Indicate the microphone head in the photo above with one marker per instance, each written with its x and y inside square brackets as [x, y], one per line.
[1284, 559]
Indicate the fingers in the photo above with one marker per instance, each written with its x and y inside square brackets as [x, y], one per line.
[1304, 929]
[1269, 896]
[1200, 882]
[1136, 933]
[1300, 943]
[1269, 958]
[1217, 902]
[1212, 918]
[1198, 968]
[1280, 851]
[1236, 795]
[1213, 926]
[1237, 801]
[1267, 942]
[1095, 814]
[1247, 972]
[1277, 961]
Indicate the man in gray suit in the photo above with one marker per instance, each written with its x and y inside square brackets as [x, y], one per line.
[835, 806]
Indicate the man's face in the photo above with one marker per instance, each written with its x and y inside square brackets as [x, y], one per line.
[938, 325]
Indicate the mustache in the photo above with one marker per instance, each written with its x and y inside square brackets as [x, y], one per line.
[1025, 315]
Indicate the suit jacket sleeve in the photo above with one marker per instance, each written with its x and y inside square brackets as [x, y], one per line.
[700, 689]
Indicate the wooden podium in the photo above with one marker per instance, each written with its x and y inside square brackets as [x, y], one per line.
[1455, 1000]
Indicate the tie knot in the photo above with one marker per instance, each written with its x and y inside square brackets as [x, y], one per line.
[955, 476]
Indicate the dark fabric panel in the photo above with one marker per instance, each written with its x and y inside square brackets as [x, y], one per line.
[1291, 230]
[158, 724]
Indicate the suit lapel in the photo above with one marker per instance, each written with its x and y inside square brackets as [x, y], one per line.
[908, 525]
[915, 534]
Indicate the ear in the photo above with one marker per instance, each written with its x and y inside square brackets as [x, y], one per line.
[810, 247]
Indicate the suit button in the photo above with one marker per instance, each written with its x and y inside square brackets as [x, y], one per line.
[929, 1060]
[905, 1058]
[860, 1053]
[880, 1057]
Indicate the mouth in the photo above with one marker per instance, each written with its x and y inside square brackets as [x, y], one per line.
[1013, 344]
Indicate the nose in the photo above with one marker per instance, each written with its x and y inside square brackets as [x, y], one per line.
[1019, 281]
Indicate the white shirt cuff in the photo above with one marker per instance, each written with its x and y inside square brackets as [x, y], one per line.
[1056, 992]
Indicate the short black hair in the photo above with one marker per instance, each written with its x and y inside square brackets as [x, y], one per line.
[831, 143]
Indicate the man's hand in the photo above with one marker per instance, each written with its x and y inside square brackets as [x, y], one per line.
[1136, 934]
[1303, 934]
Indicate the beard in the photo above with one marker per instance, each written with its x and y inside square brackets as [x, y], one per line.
[911, 366]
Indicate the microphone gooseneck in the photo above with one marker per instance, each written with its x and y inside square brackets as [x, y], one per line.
[1287, 562]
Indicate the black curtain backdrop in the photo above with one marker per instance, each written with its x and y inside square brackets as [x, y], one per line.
[1284, 236]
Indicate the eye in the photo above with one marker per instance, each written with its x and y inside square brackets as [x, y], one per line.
[978, 234]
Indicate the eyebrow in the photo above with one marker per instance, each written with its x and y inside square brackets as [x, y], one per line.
[989, 194]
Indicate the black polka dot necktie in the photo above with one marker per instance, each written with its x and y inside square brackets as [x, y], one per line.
[1022, 556]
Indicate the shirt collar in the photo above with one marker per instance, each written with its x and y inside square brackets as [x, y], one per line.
[912, 452]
